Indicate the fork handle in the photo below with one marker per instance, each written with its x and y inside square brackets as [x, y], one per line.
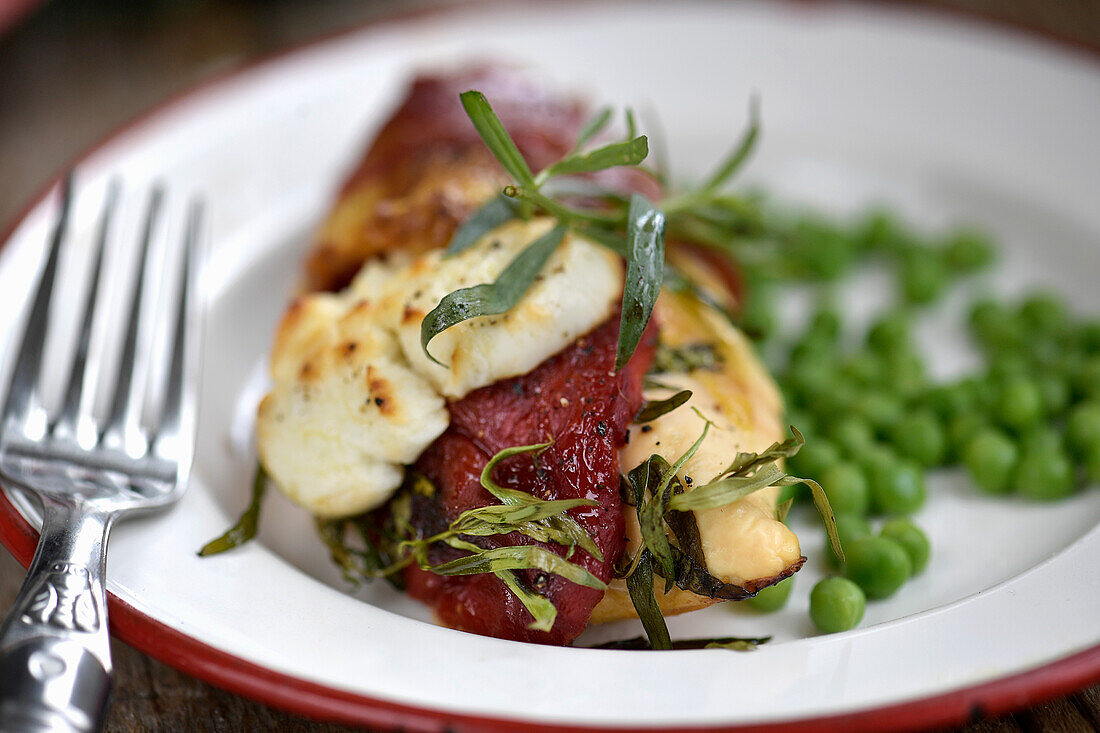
[55, 657]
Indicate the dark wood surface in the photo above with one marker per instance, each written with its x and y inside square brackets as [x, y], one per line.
[75, 69]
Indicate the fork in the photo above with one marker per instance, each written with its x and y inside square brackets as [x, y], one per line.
[55, 660]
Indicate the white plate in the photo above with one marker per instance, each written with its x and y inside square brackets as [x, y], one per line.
[948, 120]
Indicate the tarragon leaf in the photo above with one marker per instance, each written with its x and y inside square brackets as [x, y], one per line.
[539, 525]
[490, 299]
[651, 514]
[499, 210]
[646, 479]
[540, 607]
[628, 152]
[248, 523]
[693, 576]
[519, 557]
[746, 463]
[652, 410]
[640, 586]
[726, 490]
[738, 644]
[563, 524]
[739, 154]
[354, 564]
[821, 503]
[496, 138]
[639, 643]
[645, 264]
[508, 496]
[614, 241]
[593, 127]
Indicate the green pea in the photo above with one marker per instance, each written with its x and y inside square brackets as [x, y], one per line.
[758, 318]
[890, 333]
[837, 400]
[864, 367]
[969, 251]
[836, 604]
[846, 487]
[985, 314]
[826, 324]
[923, 276]
[1019, 403]
[920, 437]
[905, 374]
[814, 458]
[1087, 337]
[1070, 366]
[948, 401]
[1087, 378]
[878, 565]
[881, 231]
[879, 409]
[897, 486]
[990, 458]
[851, 434]
[849, 528]
[1044, 352]
[813, 347]
[1092, 467]
[820, 249]
[1054, 393]
[1083, 430]
[996, 326]
[1042, 438]
[986, 392]
[802, 420]
[774, 597]
[1045, 475]
[962, 429]
[912, 539]
[1008, 366]
[807, 379]
[1046, 313]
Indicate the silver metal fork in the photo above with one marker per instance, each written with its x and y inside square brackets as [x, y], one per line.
[55, 660]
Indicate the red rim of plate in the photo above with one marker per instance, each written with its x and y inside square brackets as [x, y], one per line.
[239, 676]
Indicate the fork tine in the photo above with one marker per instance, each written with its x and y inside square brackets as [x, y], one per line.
[75, 418]
[175, 434]
[23, 392]
[123, 428]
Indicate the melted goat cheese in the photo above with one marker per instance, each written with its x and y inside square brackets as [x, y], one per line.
[354, 396]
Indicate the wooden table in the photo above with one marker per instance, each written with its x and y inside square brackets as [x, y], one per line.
[76, 69]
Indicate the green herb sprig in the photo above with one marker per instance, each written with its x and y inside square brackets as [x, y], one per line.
[247, 525]
[633, 227]
[671, 545]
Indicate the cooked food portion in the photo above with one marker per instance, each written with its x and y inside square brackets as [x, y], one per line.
[427, 170]
[742, 542]
[489, 390]
[346, 410]
[355, 396]
[581, 407]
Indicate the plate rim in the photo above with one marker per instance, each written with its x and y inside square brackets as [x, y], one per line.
[319, 702]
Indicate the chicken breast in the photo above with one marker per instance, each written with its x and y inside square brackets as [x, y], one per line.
[743, 542]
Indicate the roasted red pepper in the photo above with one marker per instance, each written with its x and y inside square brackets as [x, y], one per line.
[578, 402]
